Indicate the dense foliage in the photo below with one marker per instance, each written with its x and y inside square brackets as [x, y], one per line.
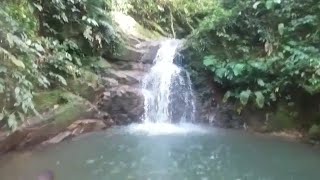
[262, 51]
[175, 18]
[43, 43]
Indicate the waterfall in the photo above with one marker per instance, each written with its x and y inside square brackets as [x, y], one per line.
[167, 88]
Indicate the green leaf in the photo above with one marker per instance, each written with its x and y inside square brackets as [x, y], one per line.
[244, 97]
[261, 82]
[12, 58]
[64, 17]
[281, 28]
[12, 122]
[269, 4]
[226, 96]
[273, 97]
[61, 79]
[17, 90]
[39, 47]
[87, 33]
[221, 72]
[208, 61]
[18, 63]
[38, 6]
[256, 4]
[237, 69]
[277, 1]
[259, 99]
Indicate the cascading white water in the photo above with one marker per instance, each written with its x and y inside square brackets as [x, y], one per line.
[167, 88]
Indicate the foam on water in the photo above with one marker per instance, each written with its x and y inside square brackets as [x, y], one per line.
[153, 129]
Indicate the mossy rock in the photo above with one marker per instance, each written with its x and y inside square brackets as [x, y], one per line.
[314, 132]
[102, 63]
[75, 109]
[96, 64]
[284, 118]
[48, 99]
[65, 114]
[59, 105]
[86, 86]
[129, 27]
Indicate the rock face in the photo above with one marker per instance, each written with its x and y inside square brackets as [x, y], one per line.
[213, 111]
[124, 104]
[122, 101]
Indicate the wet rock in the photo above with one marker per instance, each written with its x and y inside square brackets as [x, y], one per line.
[151, 50]
[129, 54]
[124, 104]
[126, 77]
[77, 128]
[225, 116]
[144, 52]
[58, 138]
[86, 125]
[109, 82]
[215, 112]
[132, 66]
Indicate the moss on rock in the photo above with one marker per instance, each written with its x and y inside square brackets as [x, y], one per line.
[48, 99]
[284, 118]
[86, 86]
[314, 132]
[75, 109]
[129, 27]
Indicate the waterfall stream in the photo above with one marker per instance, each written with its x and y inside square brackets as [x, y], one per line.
[167, 88]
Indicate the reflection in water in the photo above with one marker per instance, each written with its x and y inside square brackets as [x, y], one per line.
[122, 154]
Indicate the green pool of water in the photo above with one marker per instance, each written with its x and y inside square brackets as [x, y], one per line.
[186, 153]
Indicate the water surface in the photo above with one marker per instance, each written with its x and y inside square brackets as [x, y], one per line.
[168, 152]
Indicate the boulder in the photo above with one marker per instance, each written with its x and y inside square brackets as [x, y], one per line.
[144, 52]
[151, 49]
[124, 77]
[140, 44]
[124, 104]
[109, 82]
[128, 53]
[132, 30]
[86, 86]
